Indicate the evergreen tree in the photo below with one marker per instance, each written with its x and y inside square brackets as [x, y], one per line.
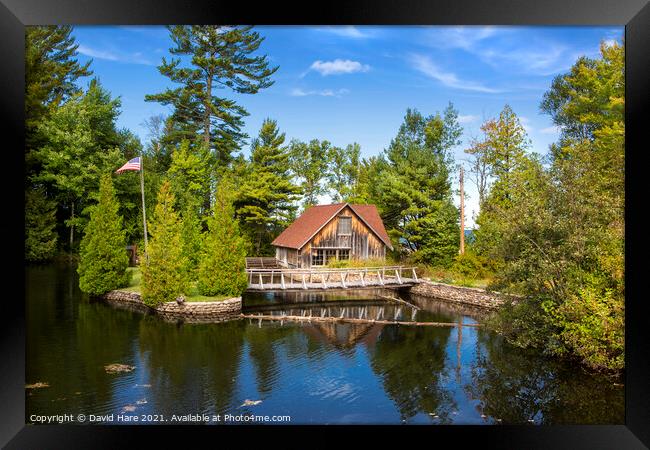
[309, 164]
[219, 57]
[40, 224]
[414, 188]
[191, 241]
[189, 176]
[163, 272]
[51, 71]
[222, 269]
[103, 258]
[266, 199]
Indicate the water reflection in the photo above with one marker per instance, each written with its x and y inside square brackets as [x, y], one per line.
[319, 372]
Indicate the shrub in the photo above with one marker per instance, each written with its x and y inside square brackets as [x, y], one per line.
[103, 260]
[470, 265]
[163, 275]
[40, 227]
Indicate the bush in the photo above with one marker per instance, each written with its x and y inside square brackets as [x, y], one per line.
[470, 265]
[40, 227]
[103, 260]
[163, 275]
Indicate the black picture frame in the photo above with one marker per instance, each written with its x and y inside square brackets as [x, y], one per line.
[16, 14]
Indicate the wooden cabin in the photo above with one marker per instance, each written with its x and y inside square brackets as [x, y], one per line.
[340, 231]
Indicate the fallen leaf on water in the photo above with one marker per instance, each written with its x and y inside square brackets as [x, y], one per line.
[77, 393]
[143, 385]
[37, 385]
[251, 402]
[118, 368]
[141, 402]
[128, 408]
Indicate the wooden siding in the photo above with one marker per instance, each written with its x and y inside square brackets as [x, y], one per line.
[287, 256]
[362, 243]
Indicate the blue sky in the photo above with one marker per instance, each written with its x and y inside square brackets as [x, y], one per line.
[353, 84]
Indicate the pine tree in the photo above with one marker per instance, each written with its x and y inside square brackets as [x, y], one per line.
[191, 241]
[51, 71]
[266, 199]
[163, 275]
[414, 188]
[343, 173]
[40, 224]
[222, 269]
[219, 57]
[103, 258]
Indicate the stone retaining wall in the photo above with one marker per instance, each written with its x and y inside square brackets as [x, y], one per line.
[187, 311]
[460, 294]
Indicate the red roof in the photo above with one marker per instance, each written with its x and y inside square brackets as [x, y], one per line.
[316, 217]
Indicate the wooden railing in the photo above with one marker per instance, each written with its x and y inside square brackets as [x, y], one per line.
[330, 277]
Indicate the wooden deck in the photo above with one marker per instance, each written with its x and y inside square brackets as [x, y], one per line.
[279, 279]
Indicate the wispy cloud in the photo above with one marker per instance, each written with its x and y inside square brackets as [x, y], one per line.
[424, 64]
[347, 31]
[298, 92]
[463, 37]
[93, 53]
[551, 130]
[337, 67]
[133, 58]
[467, 118]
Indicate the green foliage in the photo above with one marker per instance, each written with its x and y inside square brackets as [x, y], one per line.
[222, 268]
[51, 72]
[191, 242]
[309, 164]
[471, 265]
[103, 259]
[219, 57]
[189, 175]
[265, 200]
[559, 230]
[81, 144]
[411, 186]
[164, 276]
[343, 172]
[40, 223]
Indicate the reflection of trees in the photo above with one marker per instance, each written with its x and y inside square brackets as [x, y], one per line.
[69, 341]
[516, 386]
[263, 345]
[193, 368]
[410, 361]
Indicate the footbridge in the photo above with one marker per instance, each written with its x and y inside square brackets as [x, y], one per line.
[279, 278]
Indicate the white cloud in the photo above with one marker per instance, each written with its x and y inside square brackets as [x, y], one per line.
[426, 66]
[348, 31]
[467, 118]
[135, 58]
[298, 92]
[463, 37]
[525, 123]
[551, 130]
[338, 66]
[93, 53]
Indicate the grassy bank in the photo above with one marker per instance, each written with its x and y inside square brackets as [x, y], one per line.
[449, 276]
[191, 296]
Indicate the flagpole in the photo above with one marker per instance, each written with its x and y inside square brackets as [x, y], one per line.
[144, 212]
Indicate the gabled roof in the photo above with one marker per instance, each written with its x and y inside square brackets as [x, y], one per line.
[316, 217]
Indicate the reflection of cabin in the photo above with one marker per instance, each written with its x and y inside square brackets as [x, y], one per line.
[340, 231]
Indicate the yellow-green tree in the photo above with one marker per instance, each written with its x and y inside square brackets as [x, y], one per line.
[103, 258]
[222, 268]
[163, 275]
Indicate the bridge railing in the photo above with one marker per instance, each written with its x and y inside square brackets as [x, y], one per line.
[331, 277]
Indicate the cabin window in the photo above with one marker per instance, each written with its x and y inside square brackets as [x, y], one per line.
[344, 255]
[317, 258]
[344, 226]
[330, 255]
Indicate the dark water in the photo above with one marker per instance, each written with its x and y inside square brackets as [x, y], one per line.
[315, 373]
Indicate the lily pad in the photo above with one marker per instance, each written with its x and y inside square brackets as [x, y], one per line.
[37, 385]
[118, 368]
[251, 402]
[128, 408]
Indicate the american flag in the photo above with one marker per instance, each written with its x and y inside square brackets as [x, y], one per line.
[134, 164]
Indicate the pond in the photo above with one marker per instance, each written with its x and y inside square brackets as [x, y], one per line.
[318, 373]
